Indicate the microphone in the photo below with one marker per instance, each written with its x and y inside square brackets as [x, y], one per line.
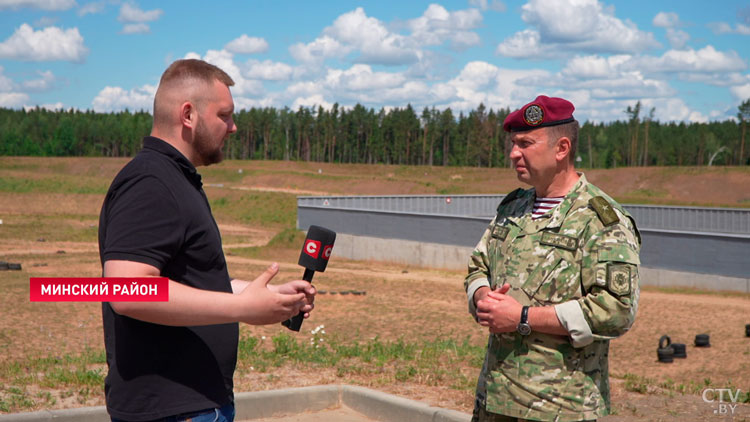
[314, 257]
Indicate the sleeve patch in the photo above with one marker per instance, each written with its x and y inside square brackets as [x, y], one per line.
[618, 279]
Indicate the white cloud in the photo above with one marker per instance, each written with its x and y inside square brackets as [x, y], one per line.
[47, 44]
[317, 51]
[306, 88]
[92, 8]
[526, 43]
[677, 38]
[707, 59]
[225, 61]
[248, 103]
[496, 5]
[411, 92]
[625, 85]
[51, 107]
[716, 78]
[268, 70]
[311, 101]
[436, 25]
[134, 18]
[666, 19]
[135, 28]
[481, 82]
[129, 12]
[608, 109]
[375, 43]
[725, 28]
[37, 4]
[645, 76]
[697, 117]
[13, 99]
[360, 77]
[574, 25]
[247, 45]
[741, 92]
[114, 98]
[45, 21]
[586, 67]
[44, 83]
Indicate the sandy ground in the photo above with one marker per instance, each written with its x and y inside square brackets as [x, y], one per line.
[412, 303]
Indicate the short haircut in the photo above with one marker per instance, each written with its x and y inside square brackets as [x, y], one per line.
[568, 130]
[182, 71]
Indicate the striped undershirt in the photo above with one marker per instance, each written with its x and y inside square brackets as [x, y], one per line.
[545, 205]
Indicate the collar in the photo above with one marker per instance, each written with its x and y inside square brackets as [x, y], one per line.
[162, 147]
[559, 213]
[553, 220]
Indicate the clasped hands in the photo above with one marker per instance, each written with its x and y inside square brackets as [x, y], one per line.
[496, 310]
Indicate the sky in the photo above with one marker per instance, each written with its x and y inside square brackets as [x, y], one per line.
[688, 59]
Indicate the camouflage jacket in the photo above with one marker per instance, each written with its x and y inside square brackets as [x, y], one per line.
[582, 258]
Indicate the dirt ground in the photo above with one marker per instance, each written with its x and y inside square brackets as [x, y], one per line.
[403, 302]
[53, 234]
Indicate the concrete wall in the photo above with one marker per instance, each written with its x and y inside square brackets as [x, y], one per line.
[436, 255]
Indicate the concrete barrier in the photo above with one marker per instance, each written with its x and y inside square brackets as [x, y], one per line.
[286, 402]
[436, 255]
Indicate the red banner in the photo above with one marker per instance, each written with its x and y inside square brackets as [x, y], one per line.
[99, 289]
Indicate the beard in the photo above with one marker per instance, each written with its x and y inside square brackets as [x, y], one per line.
[208, 152]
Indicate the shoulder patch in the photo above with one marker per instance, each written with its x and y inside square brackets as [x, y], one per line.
[604, 210]
[511, 196]
[618, 279]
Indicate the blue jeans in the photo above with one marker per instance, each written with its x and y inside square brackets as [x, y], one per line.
[219, 414]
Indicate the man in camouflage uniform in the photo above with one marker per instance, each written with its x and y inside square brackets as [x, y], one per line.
[554, 290]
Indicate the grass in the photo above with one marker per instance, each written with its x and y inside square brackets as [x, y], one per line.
[57, 227]
[281, 245]
[80, 375]
[54, 183]
[644, 385]
[254, 208]
[428, 362]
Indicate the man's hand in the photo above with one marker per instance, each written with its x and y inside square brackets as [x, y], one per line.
[268, 304]
[294, 287]
[498, 311]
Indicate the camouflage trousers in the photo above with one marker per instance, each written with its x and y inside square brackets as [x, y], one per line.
[482, 415]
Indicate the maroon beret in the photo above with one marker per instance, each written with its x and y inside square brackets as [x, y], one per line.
[543, 111]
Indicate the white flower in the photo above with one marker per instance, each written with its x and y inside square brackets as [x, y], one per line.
[262, 337]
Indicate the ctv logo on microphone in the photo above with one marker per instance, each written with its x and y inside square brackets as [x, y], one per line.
[312, 248]
[327, 252]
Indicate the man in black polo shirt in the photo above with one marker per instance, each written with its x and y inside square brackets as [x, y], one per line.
[176, 359]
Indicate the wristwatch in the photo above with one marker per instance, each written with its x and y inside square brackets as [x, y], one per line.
[524, 328]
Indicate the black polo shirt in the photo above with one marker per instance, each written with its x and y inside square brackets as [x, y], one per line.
[156, 212]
